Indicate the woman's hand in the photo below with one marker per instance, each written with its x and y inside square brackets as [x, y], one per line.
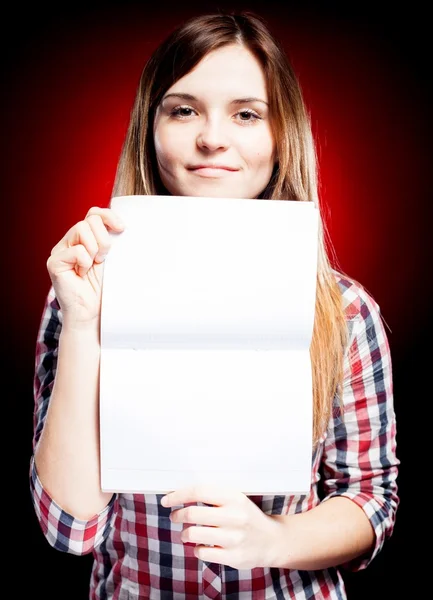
[76, 266]
[243, 536]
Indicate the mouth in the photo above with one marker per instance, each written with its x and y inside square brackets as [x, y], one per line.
[215, 171]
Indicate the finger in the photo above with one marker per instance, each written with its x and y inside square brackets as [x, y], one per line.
[213, 555]
[101, 236]
[84, 261]
[207, 494]
[74, 257]
[108, 216]
[213, 536]
[202, 515]
[80, 233]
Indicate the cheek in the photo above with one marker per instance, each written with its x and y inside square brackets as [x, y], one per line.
[261, 150]
[167, 147]
[264, 159]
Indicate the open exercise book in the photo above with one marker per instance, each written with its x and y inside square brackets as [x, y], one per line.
[206, 322]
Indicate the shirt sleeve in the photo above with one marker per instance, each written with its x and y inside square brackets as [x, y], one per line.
[359, 458]
[61, 529]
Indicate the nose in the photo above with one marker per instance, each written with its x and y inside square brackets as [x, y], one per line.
[212, 135]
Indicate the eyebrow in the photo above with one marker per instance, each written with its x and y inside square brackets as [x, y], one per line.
[192, 98]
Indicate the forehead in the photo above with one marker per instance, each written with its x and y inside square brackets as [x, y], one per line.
[228, 71]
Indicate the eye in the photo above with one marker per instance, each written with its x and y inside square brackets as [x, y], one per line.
[182, 112]
[248, 116]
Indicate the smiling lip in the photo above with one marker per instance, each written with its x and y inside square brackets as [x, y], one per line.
[212, 170]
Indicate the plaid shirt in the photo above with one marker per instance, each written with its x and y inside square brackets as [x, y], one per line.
[138, 552]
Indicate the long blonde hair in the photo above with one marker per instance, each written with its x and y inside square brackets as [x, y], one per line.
[294, 176]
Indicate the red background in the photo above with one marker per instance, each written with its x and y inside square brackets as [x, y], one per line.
[70, 82]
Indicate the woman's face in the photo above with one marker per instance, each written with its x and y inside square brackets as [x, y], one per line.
[212, 129]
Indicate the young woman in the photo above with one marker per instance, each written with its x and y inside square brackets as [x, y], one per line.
[218, 112]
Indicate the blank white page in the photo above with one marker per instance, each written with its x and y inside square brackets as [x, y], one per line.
[206, 322]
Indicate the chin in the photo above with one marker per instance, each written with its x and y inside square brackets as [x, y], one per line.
[213, 192]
